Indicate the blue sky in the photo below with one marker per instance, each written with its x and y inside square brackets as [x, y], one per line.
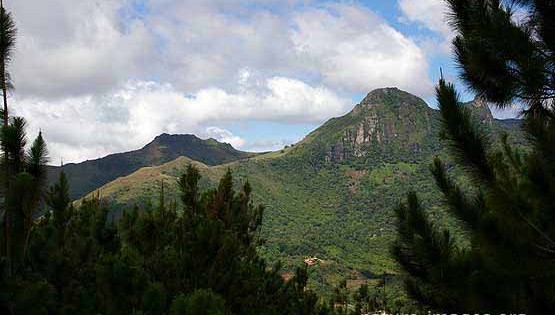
[105, 76]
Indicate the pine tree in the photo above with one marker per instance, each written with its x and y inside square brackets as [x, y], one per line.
[24, 176]
[188, 184]
[58, 200]
[7, 42]
[203, 253]
[508, 209]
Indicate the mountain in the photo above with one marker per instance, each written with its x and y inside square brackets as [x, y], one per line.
[86, 176]
[333, 194]
[387, 122]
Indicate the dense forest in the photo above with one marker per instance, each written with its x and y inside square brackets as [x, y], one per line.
[199, 249]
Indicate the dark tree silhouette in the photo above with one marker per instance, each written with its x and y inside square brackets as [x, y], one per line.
[507, 206]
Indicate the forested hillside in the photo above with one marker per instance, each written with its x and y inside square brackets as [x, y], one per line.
[332, 195]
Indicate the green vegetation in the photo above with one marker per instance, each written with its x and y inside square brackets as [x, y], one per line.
[320, 201]
[504, 258]
[23, 179]
[199, 258]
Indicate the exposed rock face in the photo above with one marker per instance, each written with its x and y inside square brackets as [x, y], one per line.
[386, 117]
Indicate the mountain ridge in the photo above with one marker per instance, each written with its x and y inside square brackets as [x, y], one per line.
[86, 176]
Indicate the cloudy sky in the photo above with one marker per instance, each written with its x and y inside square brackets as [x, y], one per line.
[105, 76]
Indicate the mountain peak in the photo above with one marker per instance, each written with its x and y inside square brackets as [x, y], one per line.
[165, 137]
[180, 140]
[388, 122]
[388, 95]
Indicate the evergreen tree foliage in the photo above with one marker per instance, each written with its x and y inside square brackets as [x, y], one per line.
[200, 302]
[163, 259]
[23, 176]
[506, 205]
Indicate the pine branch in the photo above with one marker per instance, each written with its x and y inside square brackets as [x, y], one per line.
[467, 144]
[467, 211]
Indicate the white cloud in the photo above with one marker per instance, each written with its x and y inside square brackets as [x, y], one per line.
[69, 48]
[430, 13]
[354, 49]
[87, 127]
[225, 136]
[268, 145]
[514, 111]
[85, 47]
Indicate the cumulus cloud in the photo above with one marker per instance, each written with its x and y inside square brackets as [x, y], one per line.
[205, 44]
[225, 136]
[68, 48]
[353, 48]
[268, 145]
[84, 47]
[429, 13]
[80, 128]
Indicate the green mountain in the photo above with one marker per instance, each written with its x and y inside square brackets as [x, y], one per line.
[387, 125]
[86, 176]
[332, 195]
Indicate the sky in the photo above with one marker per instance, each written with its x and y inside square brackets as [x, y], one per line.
[105, 76]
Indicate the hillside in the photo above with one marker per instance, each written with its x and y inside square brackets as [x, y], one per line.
[86, 176]
[331, 195]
